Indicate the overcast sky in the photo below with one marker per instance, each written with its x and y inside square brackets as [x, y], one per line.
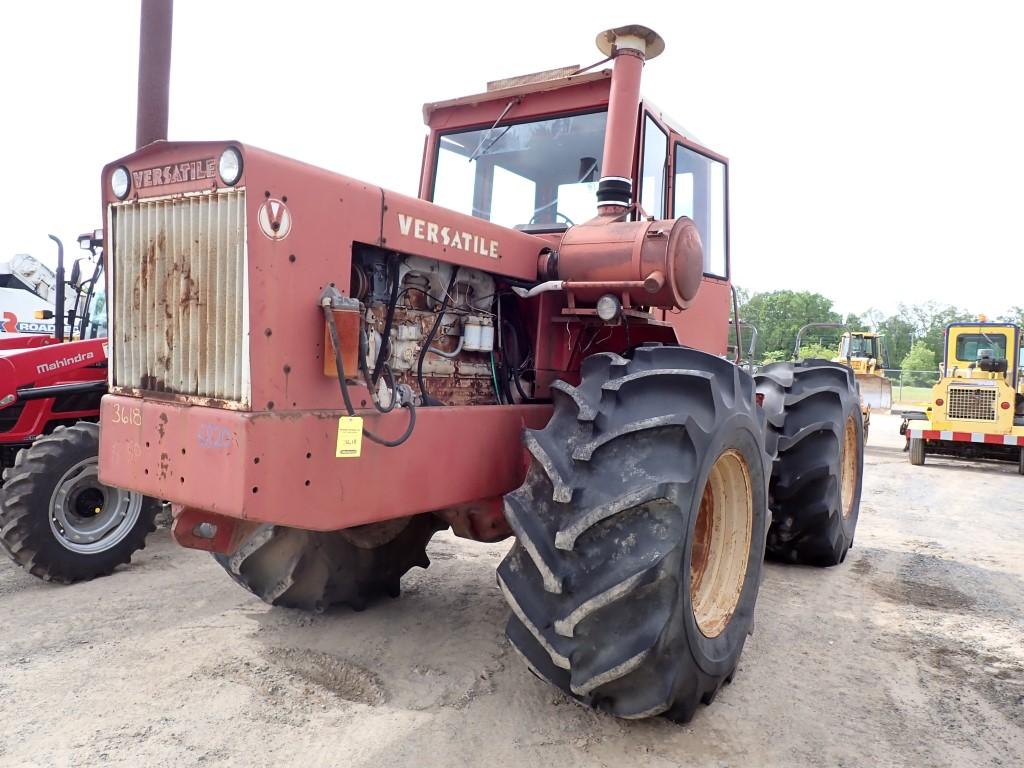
[876, 148]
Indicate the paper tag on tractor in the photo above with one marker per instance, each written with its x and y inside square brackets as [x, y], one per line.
[350, 437]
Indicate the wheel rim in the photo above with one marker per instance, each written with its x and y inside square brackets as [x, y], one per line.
[721, 543]
[87, 516]
[848, 478]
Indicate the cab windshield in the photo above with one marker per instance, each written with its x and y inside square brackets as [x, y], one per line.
[542, 173]
[969, 345]
[857, 346]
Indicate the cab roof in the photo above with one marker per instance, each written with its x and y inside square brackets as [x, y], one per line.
[549, 81]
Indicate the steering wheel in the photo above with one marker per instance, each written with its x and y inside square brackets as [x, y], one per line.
[568, 221]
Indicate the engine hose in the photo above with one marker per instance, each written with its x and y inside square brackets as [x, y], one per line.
[430, 339]
[385, 341]
[332, 328]
[364, 369]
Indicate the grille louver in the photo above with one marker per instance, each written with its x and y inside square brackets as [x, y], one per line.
[972, 404]
[179, 315]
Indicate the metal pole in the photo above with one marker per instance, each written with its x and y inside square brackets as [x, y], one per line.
[154, 71]
[58, 301]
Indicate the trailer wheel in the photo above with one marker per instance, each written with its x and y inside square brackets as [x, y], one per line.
[314, 570]
[816, 430]
[640, 533]
[917, 451]
[58, 521]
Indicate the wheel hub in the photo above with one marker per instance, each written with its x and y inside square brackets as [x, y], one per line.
[721, 543]
[87, 516]
[848, 470]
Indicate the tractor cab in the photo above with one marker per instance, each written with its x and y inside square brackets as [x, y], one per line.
[527, 154]
[87, 315]
[983, 351]
[864, 352]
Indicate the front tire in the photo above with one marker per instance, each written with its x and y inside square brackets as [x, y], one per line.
[815, 432]
[917, 451]
[58, 522]
[640, 533]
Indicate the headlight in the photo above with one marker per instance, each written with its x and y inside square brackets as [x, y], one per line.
[608, 307]
[230, 166]
[120, 182]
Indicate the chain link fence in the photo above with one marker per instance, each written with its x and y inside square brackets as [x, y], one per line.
[910, 386]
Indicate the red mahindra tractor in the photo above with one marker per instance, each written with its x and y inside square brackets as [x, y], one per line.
[320, 374]
[57, 520]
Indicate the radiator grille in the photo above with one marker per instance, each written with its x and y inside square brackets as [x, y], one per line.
[972, 403]
[179, 315]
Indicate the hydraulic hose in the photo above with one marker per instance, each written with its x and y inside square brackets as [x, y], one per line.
[339, 364]
[364, 369]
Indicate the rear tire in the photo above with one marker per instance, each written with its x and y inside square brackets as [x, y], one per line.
[640, 532]
[917, 451]
[314, 570]
[1020, 462]
[58, 522]
[815, 430]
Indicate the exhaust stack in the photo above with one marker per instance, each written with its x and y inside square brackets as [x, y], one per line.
[629, 47]
[154, 71]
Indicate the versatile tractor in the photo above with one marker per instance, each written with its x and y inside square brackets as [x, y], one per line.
[57, 520]
[977, 407]
[320, 374]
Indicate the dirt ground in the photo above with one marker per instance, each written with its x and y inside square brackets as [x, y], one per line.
[911, 653]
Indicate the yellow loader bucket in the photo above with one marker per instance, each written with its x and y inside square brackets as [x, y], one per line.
[876, 391]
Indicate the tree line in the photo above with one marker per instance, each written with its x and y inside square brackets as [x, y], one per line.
[914, 334]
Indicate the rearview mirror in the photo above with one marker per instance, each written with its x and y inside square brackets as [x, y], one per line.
[76, 274]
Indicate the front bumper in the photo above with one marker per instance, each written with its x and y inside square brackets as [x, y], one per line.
[280, 466]
[965, 437]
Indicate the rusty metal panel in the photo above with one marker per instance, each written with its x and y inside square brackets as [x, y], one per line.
[179, 308]
[282, 467]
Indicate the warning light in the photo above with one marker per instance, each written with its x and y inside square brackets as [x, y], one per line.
[43, 314]
[982, 318]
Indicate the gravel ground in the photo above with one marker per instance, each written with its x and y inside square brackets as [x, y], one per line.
[911, 653]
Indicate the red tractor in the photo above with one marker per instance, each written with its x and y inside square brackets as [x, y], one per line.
[320, 374]
[57, 520]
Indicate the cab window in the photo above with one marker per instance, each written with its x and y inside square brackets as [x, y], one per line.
[700, 193]
[653, 169]
[968, 345]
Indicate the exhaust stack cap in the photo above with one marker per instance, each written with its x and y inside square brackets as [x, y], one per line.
[634, 37]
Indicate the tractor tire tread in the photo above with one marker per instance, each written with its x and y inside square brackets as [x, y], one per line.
[594, 580]
[808, 405]
[314, 570]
